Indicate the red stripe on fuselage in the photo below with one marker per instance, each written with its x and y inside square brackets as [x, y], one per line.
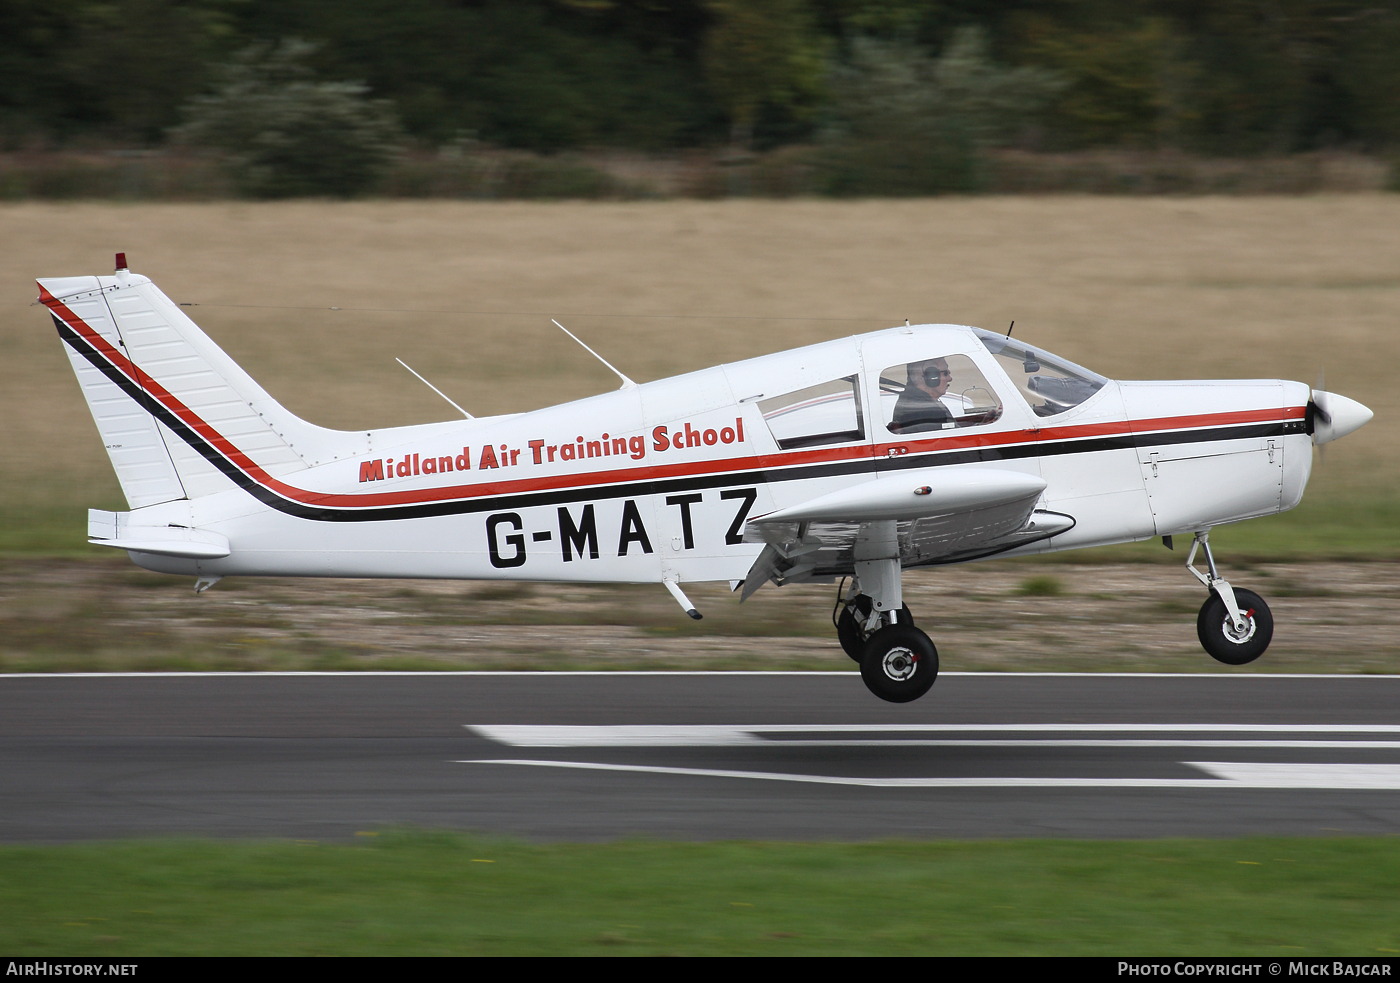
[757, 462]
[1108, 429]
[158, 392]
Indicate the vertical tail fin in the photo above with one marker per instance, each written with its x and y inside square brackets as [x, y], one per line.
[179, 418]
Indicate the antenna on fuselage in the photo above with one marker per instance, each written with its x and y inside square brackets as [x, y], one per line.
[626, 382]
[434, 389]
[1008, 330]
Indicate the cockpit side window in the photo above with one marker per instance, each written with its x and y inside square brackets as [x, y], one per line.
[1049, 383]
[827, 413]
[941, 393]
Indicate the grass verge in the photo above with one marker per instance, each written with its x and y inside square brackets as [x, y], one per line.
[412, 892]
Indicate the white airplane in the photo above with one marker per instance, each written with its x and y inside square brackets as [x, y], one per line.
[918, 445]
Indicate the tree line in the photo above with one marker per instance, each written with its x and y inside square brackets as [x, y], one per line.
[932, 79]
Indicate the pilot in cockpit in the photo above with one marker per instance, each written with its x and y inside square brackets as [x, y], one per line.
[919, 407]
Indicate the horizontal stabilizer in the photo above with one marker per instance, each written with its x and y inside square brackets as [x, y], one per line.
[114, 529]
[914, 495]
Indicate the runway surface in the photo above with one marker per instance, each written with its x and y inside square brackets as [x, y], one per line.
[697, 756]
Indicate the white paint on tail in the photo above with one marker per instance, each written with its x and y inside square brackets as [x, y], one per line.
[170, 351]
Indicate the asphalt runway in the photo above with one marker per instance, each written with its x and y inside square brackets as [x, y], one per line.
[593, 756]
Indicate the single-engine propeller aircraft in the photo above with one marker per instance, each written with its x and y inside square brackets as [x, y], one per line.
[914, 446]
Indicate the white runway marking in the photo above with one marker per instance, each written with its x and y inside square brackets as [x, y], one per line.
[724, 735]
[1252, 775]
[1272, 774]
[1231, 775]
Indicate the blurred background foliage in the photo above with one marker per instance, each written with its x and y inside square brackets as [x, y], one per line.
[911, 123]
[283, 133]
[905, 96]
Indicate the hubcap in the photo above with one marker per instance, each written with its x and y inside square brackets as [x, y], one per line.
[899, 663]
[1239, 638]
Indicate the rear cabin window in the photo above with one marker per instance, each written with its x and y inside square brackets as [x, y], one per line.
[1049, 383]
[827, 413]
[936, 394]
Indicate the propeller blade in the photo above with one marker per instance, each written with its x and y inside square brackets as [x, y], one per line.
[1319, 397]
[1317, 405]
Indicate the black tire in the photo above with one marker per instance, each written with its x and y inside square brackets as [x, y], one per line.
[850, 626]
[899, 664]
[1218, 637]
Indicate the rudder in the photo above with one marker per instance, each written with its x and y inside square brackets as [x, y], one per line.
[179, 418]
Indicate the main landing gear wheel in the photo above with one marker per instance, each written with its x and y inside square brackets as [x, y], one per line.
[850, 626]
[899, 663]
[1218, 635]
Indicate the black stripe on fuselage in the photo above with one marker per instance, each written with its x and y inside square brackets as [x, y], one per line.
[178, 426]
[656, 486]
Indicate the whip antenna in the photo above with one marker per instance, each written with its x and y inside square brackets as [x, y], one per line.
[626, 382]
[435, 389]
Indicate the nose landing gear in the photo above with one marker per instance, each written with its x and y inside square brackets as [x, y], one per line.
[1235, 626]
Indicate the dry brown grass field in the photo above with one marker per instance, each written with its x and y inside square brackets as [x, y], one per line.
[1132, 287]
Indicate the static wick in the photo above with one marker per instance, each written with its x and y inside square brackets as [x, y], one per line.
[626, 382]
[433, 388]
[1008, 330]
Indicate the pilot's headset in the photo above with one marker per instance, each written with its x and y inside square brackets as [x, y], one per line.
[933, 375]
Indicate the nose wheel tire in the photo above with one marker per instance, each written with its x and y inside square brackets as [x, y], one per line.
[850, 626]
[1218, 636]
[899, 663]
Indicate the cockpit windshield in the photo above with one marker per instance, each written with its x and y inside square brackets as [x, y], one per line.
[1050, 384]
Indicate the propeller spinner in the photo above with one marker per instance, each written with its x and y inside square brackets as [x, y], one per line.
[1335, 416]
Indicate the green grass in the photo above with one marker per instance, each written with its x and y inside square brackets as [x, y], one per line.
[1352, 525]
[36, 529]
[1041, 585]
[444, 893]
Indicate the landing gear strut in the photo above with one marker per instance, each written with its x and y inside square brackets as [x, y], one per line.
[1235, 626]
[855, 609]
[898, 662]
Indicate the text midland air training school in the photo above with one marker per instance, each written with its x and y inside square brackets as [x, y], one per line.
[540, 452]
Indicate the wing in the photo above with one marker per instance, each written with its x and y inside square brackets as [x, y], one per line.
[937, 515]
